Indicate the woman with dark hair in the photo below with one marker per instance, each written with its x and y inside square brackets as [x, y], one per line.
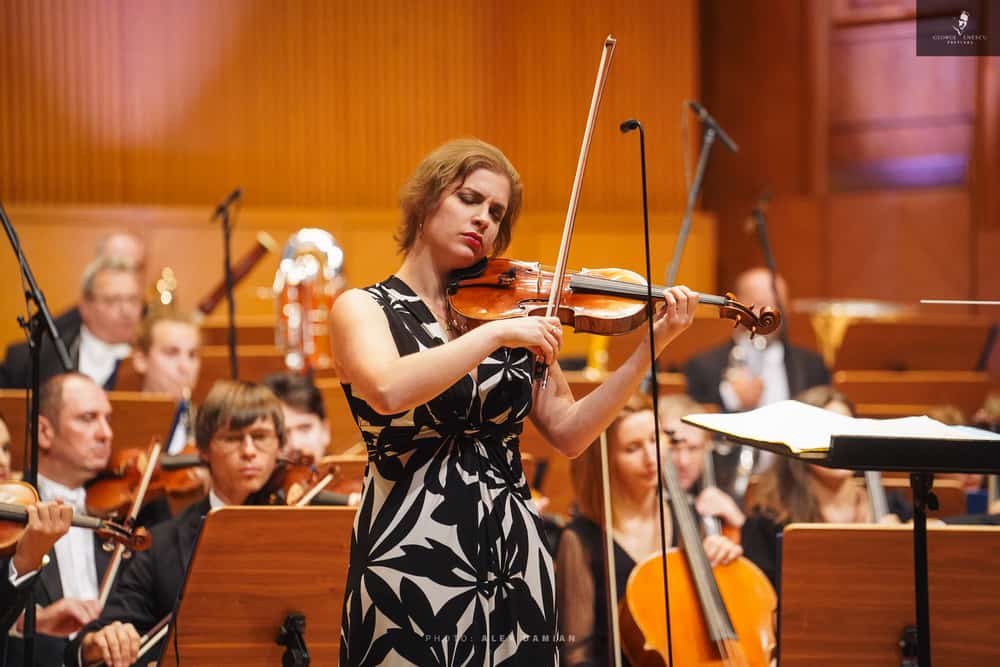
[447, 561]
[791, 491]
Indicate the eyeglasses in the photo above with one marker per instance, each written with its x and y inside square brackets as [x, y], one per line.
[263, 441]
[112, 300]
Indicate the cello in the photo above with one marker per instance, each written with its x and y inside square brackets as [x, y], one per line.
[725, 614]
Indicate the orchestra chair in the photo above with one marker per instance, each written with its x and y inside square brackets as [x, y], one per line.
[250, 330]
[136, 418]
[846, 594]
[237, 593]
[556, 485]
[913, 391]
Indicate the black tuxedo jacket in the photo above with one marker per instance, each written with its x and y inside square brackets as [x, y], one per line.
[148, 589]
[47, 588]
[15, 371]
[704, 372]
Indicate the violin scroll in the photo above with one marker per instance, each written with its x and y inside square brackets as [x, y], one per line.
[766, 322]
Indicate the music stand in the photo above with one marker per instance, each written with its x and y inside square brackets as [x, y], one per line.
[254, 571]
[921, 458]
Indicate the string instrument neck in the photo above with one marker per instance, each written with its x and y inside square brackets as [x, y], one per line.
[717, 621]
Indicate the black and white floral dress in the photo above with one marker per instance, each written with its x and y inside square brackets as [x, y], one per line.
[447, 563]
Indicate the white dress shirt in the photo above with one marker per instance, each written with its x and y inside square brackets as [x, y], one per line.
[768, 364]
[98, 359]
[75, 549]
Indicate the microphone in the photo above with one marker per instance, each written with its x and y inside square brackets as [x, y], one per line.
[230, 199]
[711, 122]
[629, 125]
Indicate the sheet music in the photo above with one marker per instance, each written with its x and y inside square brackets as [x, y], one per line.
[806, 428]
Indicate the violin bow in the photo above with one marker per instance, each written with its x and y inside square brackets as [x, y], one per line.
[116, 559]
[314, 491]
[559, 274]
[609, 553]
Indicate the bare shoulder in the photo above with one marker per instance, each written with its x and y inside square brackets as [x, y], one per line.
[352, 304]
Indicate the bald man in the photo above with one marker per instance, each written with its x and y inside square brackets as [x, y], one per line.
[745, 374]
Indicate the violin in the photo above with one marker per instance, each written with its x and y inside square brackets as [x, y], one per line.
[16, 496]
[607, 302]
[301, 480]
[113, 491]
[725, 614]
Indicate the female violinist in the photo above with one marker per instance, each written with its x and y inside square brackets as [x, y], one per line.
[791, 491]
[447, 559]
[580, 568]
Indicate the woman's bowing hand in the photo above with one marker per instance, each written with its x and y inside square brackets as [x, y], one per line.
[541, 335]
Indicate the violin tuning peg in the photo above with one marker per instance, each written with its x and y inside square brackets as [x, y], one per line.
[107, 546]
[126, 554]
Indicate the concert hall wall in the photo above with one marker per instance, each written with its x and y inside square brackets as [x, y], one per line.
[144, 114]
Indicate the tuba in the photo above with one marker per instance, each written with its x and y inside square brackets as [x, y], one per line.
[309, 278]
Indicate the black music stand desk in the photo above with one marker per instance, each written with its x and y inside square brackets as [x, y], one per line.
[970, 451]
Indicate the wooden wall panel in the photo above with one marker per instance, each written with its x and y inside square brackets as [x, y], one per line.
[896, 119]
[900, 246]
[318, 103]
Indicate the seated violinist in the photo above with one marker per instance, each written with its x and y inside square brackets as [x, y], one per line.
[239, 431]
[688, 445]
[74, 441]
[580, 573]
[47, 522]
[791, 491]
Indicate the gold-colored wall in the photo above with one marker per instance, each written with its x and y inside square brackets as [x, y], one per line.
[319, 110]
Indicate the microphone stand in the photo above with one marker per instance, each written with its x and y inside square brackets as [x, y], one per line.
[35, 327]
[222, 211]
[712, 129]
[625, 127]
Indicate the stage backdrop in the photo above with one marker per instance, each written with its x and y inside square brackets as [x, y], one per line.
[143, 114]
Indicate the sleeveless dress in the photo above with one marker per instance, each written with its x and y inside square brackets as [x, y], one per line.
[447, 566]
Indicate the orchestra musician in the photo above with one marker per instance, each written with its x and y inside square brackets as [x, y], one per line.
[167, 354]
[121, 244]
[110, 310]
[747, 373]
[791, 491]
[239, 431]
[47, 523]
[307, 431]
[687, 446]
[581, 583]
[74, 441]
[446, 521]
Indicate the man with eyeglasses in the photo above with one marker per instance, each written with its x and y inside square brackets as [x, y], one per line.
[110, 311]
[239, 431]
